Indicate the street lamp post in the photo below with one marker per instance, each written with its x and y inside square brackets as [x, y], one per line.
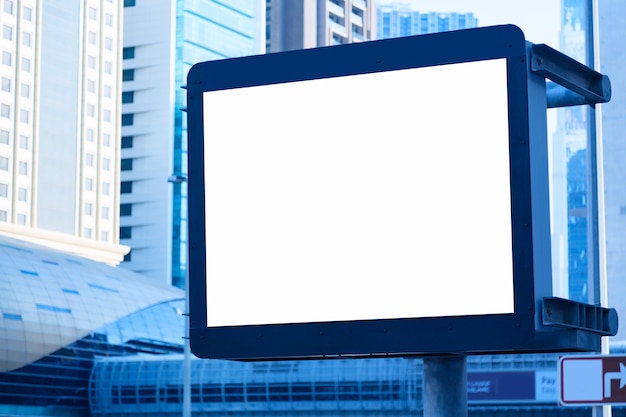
[178, 178]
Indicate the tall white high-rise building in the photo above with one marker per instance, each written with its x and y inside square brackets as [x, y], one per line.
[162, 40]
[59, 124]
[300, 24]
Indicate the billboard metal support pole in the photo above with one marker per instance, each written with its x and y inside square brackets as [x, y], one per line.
[445, 386]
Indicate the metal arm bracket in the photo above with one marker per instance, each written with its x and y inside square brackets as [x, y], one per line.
[576, 83]
[560, 312]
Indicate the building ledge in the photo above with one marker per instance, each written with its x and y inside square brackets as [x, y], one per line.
[108, 253]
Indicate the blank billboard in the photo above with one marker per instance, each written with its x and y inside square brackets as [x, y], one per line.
[370, 196]
[370, 199]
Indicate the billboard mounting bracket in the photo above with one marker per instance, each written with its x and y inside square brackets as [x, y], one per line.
[560, 312]
[573, 83]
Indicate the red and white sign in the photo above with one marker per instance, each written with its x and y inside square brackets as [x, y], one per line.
[592, 380]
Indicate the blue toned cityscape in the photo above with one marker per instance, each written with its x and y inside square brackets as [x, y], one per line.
[94, 206]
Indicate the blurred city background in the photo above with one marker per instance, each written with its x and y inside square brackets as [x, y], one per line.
[93, 203]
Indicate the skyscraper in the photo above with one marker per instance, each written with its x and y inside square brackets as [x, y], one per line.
[569, 166]
[612, 62]
[162, 40]
[401, 19]
[59, 121]
[300, 24]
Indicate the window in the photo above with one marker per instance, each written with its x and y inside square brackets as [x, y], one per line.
[126, 209]
[4, 190]
[91, 61]
[108, 44]
[129, 3]
[106, 164]
[106, 188]
[6, 84]
[126, 232]
[24, 116]
[4, 215]
[105, 213]
[26, 38]
[89, 135]
[91, 86]
[7, 32]
[92, 37]
[21, 219]
[107, 91]
[25, 90]
[92, 13]
[126, 187]
[127, 142]
[127, 74]
[128, 52]
[91, 110]
[21, 194]
[108, 19]
[126, 164]
[87, 232]
[23, 168]
[4, 137]
[8, 6]
[5, 110]
[28, 14]
[106, 115]
[4, 163]
[25, 64]
[89, 184]
[106, 140]
[89, 159]
[7, 58]
[128, 119]
[108, 67]
[88, 209]
[128, 96]
[24, 142]
[104, 236]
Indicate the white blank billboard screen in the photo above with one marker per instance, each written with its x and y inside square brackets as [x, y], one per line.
[374, 196]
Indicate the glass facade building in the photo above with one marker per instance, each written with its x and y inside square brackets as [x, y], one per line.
[205, 31]
[505, 385]
[571, 178]
[394, 20]
[161, 42]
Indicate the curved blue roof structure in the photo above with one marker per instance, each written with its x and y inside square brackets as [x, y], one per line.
[59, 311]
[50, 299]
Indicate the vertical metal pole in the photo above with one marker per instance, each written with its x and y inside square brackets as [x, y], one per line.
[187, 351]
[187, 358]
[597, 146]
[445, 386]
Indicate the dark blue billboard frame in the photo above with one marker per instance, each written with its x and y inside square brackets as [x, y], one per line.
[520, 331]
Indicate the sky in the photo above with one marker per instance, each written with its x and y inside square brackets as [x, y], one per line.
[539, 19]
